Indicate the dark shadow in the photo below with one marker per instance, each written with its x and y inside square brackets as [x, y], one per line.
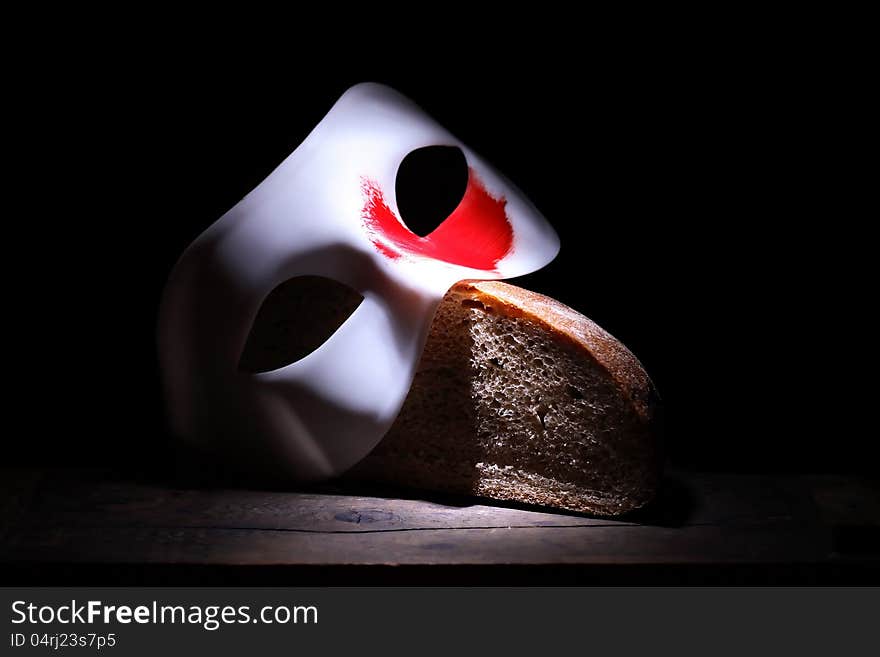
[434, 444]
[673, 507]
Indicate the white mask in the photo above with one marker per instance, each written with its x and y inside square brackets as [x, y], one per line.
[330, 210]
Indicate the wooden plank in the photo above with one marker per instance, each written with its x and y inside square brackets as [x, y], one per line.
[699, 500]
[71, 517]
[531, 545]
[136, 505]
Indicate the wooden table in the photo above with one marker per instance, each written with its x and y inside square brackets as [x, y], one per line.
[89, 527]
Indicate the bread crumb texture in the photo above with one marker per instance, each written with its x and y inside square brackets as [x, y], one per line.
[518, 397]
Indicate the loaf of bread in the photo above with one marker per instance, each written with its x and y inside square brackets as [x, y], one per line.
[518, 397]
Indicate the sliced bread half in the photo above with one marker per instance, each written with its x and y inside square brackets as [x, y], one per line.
[519, 397]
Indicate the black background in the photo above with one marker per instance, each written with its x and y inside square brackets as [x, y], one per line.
[692, 176]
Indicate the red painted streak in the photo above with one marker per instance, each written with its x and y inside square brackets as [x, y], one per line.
[381, 222]
[477, 234]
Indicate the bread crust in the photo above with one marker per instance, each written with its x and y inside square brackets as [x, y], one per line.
[578, 331]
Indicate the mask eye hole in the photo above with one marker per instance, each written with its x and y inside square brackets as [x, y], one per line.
[297, 317]
[430, 184]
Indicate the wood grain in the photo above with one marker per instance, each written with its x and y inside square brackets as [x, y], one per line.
[76, 517]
